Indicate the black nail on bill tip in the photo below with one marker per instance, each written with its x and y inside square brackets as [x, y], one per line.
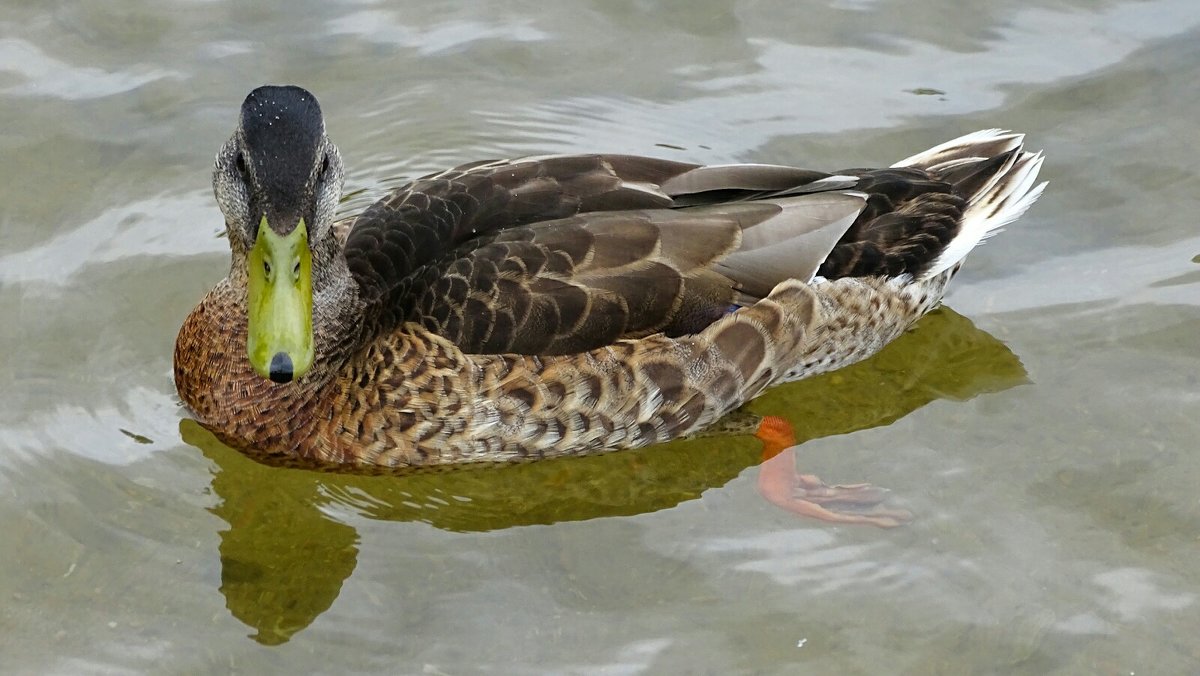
[281, 368]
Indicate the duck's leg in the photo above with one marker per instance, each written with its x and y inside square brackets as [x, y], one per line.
[806, 494]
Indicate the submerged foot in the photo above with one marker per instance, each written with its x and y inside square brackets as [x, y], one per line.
[806, 494]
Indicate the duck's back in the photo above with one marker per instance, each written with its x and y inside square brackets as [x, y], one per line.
[562, 254]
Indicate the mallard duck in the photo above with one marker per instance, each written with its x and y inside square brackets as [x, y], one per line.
[558, 305]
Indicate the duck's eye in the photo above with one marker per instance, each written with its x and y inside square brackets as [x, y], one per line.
[267, 268]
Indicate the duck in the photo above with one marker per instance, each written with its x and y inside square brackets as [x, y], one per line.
[559, 305]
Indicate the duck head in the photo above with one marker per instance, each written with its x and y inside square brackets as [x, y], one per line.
[278, 181]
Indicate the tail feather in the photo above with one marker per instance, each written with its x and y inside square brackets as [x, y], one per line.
[977, 145]
[1000, 200]
[973, 177]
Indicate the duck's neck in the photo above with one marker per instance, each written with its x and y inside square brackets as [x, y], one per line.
[212, 369]
[337, 310]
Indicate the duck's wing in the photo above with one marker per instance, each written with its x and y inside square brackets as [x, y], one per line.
[421, 223]
[564, 253]
[582, 282]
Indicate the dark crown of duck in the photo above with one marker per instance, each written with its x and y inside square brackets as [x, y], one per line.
[282, 134]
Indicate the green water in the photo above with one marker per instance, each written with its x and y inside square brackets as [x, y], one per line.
[1042, 428]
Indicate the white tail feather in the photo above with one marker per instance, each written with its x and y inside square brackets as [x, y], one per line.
[976, 145]
[1000, 202]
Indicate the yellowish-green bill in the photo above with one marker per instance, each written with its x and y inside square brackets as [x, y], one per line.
[279, 303]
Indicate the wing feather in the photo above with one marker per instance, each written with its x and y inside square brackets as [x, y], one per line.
[556, 254]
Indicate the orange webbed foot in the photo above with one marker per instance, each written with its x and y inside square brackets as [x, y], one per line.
[806, 494]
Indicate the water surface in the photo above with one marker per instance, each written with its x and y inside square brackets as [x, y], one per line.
[1042, 427]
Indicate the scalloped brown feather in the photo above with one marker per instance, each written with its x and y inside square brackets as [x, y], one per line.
[505, 311]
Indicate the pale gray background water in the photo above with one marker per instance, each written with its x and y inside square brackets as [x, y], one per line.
[1057, 525]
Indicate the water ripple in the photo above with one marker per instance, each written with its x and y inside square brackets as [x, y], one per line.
[42, 75]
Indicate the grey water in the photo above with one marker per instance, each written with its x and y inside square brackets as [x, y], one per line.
[1042, 427]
